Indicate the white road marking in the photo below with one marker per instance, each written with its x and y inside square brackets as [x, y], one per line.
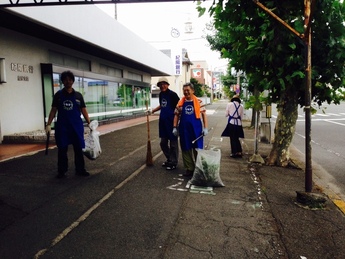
[333, 121]
[210, 112]
[84, 216]
[323, 147]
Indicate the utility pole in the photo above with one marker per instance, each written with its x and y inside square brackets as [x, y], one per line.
[307, 42]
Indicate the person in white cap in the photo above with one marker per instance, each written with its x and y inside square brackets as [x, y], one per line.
[168, 100]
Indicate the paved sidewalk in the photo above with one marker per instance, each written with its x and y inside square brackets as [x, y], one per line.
[10, 151]
[256, 215]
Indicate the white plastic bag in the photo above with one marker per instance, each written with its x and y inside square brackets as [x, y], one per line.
[92, 148]
[207, 167]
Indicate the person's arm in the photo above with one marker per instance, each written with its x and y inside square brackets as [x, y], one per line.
[204, 119]
[175, 122]
[51, 116]
[227, 111]
[176, 119]
[156, 109]
[85, 114]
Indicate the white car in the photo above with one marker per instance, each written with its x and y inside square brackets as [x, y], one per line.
[118, 101]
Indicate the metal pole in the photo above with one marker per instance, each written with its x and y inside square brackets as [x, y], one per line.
[308, 163]
[256, 143]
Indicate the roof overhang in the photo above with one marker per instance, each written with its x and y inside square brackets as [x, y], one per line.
[22, 3]
[30, 21]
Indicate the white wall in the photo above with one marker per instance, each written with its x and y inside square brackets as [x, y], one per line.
[21, 102]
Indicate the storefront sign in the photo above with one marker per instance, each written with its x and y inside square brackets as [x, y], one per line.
[16, 67]
[22, 78]
[22, 68]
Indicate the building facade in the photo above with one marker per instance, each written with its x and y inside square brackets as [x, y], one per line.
[113, 66]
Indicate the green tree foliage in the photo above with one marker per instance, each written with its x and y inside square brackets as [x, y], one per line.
[198, 88]
[273, 58]
[227, 81]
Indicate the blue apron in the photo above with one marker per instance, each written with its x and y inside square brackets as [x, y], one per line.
[69, 127]
[234, 130]
[190, 128]
[166, 117]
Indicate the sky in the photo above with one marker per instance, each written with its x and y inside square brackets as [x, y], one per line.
[154, 22]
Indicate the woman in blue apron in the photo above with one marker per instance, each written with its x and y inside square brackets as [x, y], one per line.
[193, 124]
[69, 128]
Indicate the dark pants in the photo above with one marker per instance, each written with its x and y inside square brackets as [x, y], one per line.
[78, 159]
[170, 150]
[235, 145]
[235, 134]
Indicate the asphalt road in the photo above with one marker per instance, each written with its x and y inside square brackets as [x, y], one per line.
[328, 145]
[124, 210]
[113, 208]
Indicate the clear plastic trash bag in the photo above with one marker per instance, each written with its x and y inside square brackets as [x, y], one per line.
[92, 148]
[207, 168]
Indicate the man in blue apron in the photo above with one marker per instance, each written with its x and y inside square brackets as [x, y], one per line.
[69, 128]
[193, 123]
[168, 100]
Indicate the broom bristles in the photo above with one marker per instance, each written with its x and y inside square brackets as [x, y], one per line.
[149, 160]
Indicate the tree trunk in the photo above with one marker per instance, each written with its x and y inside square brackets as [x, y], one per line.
[284, 131]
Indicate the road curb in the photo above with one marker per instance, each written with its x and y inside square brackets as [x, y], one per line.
[318, 183]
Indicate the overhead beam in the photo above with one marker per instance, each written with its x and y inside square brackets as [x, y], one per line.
[25, 3]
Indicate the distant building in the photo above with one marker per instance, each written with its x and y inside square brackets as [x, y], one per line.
[177, 80]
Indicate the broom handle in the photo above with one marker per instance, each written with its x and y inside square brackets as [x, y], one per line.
[148, 121]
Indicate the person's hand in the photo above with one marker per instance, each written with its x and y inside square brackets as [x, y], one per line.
[48, 129]
[205, 131]
[174, 132]
[148, 111]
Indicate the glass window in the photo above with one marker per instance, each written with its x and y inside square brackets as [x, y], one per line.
[108, 99]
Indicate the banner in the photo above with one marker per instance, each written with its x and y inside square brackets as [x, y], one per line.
[177, 59]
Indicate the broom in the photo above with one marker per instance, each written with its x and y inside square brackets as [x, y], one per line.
[149, 161]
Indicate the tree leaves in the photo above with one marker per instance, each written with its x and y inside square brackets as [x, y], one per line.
[263, 48]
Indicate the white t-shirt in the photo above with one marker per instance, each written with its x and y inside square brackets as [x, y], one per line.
[231, 111]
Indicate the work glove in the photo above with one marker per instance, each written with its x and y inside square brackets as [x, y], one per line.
[174, 132]
[48, 129]
[148, 112]
[205, 131]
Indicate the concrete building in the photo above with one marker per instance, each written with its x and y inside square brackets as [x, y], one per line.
[113, 66]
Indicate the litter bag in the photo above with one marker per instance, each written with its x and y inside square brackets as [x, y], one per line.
[92, 148]
[207, 167]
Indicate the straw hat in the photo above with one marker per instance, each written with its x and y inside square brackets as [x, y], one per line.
[162, 80]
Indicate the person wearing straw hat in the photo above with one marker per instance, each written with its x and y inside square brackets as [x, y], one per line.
[168, 100]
